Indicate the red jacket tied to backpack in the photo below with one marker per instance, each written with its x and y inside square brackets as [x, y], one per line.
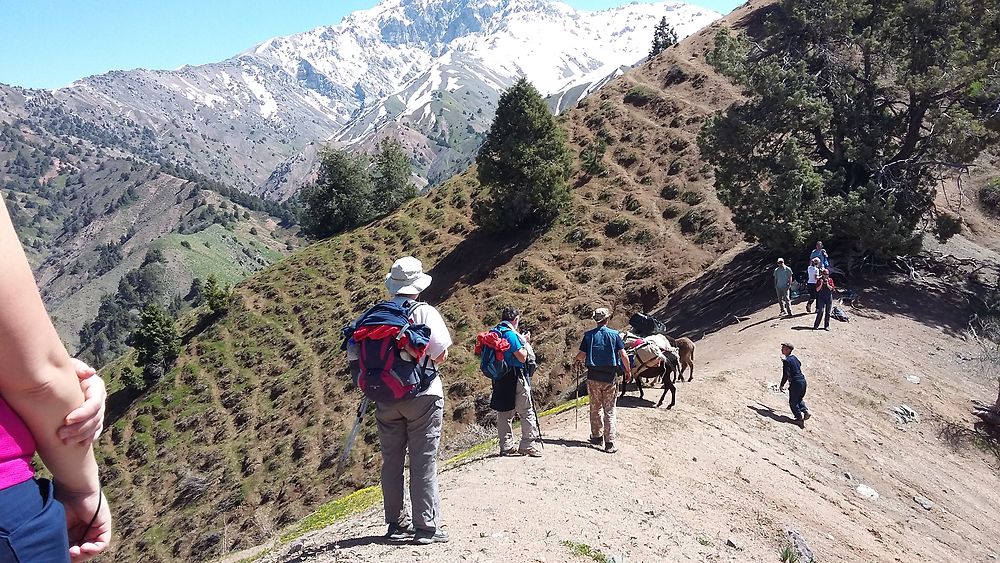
[491, 339]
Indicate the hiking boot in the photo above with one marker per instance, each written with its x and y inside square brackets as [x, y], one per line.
[397, 532]
[610, 448]
[597, 441]
[806, 415]
[506, 453]
[809, 309]
[427, 537]
[530, 452]
[826, 328]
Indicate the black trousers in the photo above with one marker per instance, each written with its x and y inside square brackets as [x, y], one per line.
[823, 307]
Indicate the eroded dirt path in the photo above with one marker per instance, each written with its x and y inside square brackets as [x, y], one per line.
[727, 463]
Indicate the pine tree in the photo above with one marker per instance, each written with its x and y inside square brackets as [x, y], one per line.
[391, 177]
[523, 164]
[663, 36]
[853, 111]
[156, 343]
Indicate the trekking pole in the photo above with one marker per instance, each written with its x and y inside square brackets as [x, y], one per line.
[362, 409]
[576, 404]
[531, 403]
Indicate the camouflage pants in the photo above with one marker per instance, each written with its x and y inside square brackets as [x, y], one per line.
[602, 398]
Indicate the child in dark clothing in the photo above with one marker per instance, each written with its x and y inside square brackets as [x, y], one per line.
[791, 373]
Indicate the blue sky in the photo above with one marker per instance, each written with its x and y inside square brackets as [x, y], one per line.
[50, 43]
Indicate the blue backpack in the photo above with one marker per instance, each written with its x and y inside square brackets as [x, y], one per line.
[388, 368]
[492, 347]
[602, 354]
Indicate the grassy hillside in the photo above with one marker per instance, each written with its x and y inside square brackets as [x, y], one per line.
[241, 437]
[70, 199]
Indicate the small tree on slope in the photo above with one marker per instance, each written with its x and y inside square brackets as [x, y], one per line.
[853, 110]
[663, 36]
[340, 199]
[523, 165]
[391, 177]
[156, 342]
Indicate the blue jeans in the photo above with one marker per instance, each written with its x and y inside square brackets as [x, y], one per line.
[32, 524]
[796, 398]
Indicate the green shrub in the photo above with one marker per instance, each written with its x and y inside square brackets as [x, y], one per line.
[697, 220]
[692, 198]
[946, 226]
[675, 168]
[537, 279]
[617, 226]
[671, 212]
[669, 191]
[990, 195]
[639, 96]
[642, 236]
[631, 203]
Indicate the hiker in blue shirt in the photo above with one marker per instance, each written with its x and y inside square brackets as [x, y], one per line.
[512, 392]
[791, 373]
[820, 253]
[604, 352]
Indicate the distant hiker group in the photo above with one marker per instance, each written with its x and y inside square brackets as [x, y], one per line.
[819, 284]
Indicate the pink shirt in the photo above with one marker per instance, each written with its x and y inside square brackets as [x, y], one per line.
[17, 447]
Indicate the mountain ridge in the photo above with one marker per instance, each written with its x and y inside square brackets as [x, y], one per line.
[263, 107]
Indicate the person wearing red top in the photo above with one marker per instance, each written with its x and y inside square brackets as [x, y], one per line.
[824, 299]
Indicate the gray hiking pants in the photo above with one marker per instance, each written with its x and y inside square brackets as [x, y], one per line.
[522, 406]
[784, 299]
[414, 424]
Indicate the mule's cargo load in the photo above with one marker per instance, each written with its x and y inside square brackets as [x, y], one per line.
[645, 325]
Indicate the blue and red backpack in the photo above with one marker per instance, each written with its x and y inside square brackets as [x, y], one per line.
[390, 349]
[491, 347]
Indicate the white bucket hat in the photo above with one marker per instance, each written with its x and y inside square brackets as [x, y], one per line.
[407, 276]
[601, 314]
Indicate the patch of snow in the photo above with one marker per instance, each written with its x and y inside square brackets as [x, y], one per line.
[268, 107]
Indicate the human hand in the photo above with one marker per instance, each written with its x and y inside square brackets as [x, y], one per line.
[84, 424]
[88, 521]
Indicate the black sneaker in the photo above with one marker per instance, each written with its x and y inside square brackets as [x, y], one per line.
[398, 533]
[610, 448]
[597, 441]
[427, 537]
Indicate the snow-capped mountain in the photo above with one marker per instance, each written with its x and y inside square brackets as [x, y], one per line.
[427, 71]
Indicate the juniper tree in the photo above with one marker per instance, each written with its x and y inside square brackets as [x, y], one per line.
[523, 164]
[853, 110]
[663, 36]
[156, 343]
[390, 176]
[340, 198]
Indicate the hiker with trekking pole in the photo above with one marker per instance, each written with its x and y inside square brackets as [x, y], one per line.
[393, 351]
[503, 356]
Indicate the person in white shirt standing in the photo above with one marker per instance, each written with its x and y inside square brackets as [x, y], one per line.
[414, 424]
[813, 271]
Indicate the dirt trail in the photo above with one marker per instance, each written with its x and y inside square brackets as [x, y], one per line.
[726, 462]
